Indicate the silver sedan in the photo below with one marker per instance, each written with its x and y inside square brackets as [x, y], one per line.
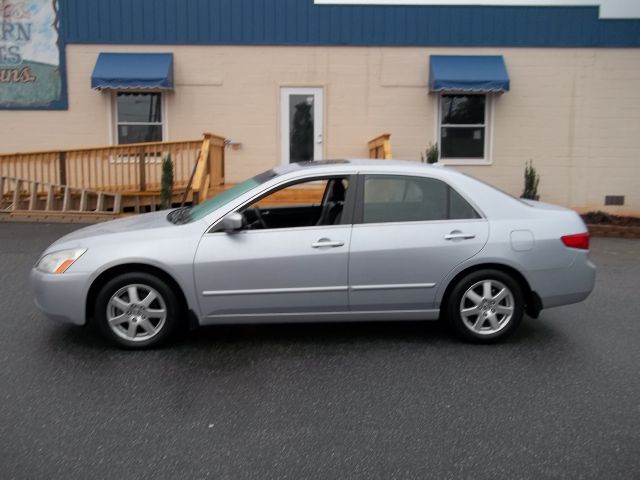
[323, 241]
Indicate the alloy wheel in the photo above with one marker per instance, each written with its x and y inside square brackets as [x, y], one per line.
[136, 312]
[487, 307]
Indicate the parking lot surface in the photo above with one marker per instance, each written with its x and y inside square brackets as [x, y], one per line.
[560, 399]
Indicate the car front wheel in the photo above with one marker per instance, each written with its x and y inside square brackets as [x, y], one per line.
[486, 306]
[137, 310]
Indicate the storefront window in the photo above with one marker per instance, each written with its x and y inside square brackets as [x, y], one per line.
[139, 117]
[463, 127]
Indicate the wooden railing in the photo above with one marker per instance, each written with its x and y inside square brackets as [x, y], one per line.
[380, 147]
[133, 168]
[209, 171]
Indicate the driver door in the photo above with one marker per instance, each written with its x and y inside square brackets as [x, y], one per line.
[273, 270]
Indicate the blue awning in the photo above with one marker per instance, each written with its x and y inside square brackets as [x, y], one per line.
[468, 73]
[130, 71]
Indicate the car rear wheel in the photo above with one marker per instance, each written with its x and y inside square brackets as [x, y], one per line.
[137, 310]
[486, 306]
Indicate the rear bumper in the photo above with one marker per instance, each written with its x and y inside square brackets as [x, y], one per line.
[566, 285]
[60, 297]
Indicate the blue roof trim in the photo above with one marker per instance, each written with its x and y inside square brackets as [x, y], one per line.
[300, 22]
[128, 71]
[468, 73]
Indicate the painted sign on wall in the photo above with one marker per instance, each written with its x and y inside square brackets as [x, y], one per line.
[31, 56]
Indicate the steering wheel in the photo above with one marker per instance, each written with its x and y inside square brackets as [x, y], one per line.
[259, 217]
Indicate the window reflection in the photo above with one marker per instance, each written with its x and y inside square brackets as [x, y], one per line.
[463, 109]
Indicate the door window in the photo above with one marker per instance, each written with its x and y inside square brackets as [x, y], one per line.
[411, 199]
[301, 127]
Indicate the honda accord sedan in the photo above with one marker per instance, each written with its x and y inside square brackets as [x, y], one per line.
[348, 240]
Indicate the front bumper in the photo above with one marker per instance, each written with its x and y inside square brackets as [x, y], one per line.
[61, 297]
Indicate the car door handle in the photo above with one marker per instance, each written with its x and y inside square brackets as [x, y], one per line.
[326, 242]
[457, 235]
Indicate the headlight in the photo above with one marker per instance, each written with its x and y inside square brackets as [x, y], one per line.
[59, 262]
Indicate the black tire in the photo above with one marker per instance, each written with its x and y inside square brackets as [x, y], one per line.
[165, 297]
[492, 326]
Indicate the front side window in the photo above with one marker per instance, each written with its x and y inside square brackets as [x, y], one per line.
[309, 203]
[139, 117]
[412, 199]
[463, 127]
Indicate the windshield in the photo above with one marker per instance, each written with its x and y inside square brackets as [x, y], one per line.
[200, 211]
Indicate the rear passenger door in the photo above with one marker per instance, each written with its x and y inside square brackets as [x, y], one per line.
[409, 232]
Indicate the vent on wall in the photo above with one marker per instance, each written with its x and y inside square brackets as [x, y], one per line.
[614, 200]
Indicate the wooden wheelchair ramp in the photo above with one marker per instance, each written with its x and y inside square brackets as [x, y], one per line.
[29, 200]
[100, 183]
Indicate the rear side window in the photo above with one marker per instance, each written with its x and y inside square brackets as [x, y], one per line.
[412, 199]
[459, 208]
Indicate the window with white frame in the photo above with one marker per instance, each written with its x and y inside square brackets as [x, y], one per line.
[464, 127]
[139, 117]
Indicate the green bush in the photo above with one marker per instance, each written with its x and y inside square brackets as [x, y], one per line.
[531, 182]
[166, 184]
[431, 154]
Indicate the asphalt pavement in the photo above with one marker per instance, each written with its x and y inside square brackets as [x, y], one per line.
[560, 399]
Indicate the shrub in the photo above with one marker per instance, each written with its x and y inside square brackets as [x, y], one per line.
[599, 217]
[431, 154]
[531, 182]
[603, 218]
[166, 184]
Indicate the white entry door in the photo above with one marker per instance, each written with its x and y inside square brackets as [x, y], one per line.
[301, 124]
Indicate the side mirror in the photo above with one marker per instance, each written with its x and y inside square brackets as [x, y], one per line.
[232, 222]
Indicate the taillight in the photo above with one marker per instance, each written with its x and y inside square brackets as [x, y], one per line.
[579, 240]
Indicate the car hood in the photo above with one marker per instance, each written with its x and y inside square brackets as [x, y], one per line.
[145, 221]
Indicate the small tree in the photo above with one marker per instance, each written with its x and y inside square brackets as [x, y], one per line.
[166, 184]
[431, 155]
[531, 181]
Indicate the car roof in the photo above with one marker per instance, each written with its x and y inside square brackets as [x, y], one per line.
[358, 164]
